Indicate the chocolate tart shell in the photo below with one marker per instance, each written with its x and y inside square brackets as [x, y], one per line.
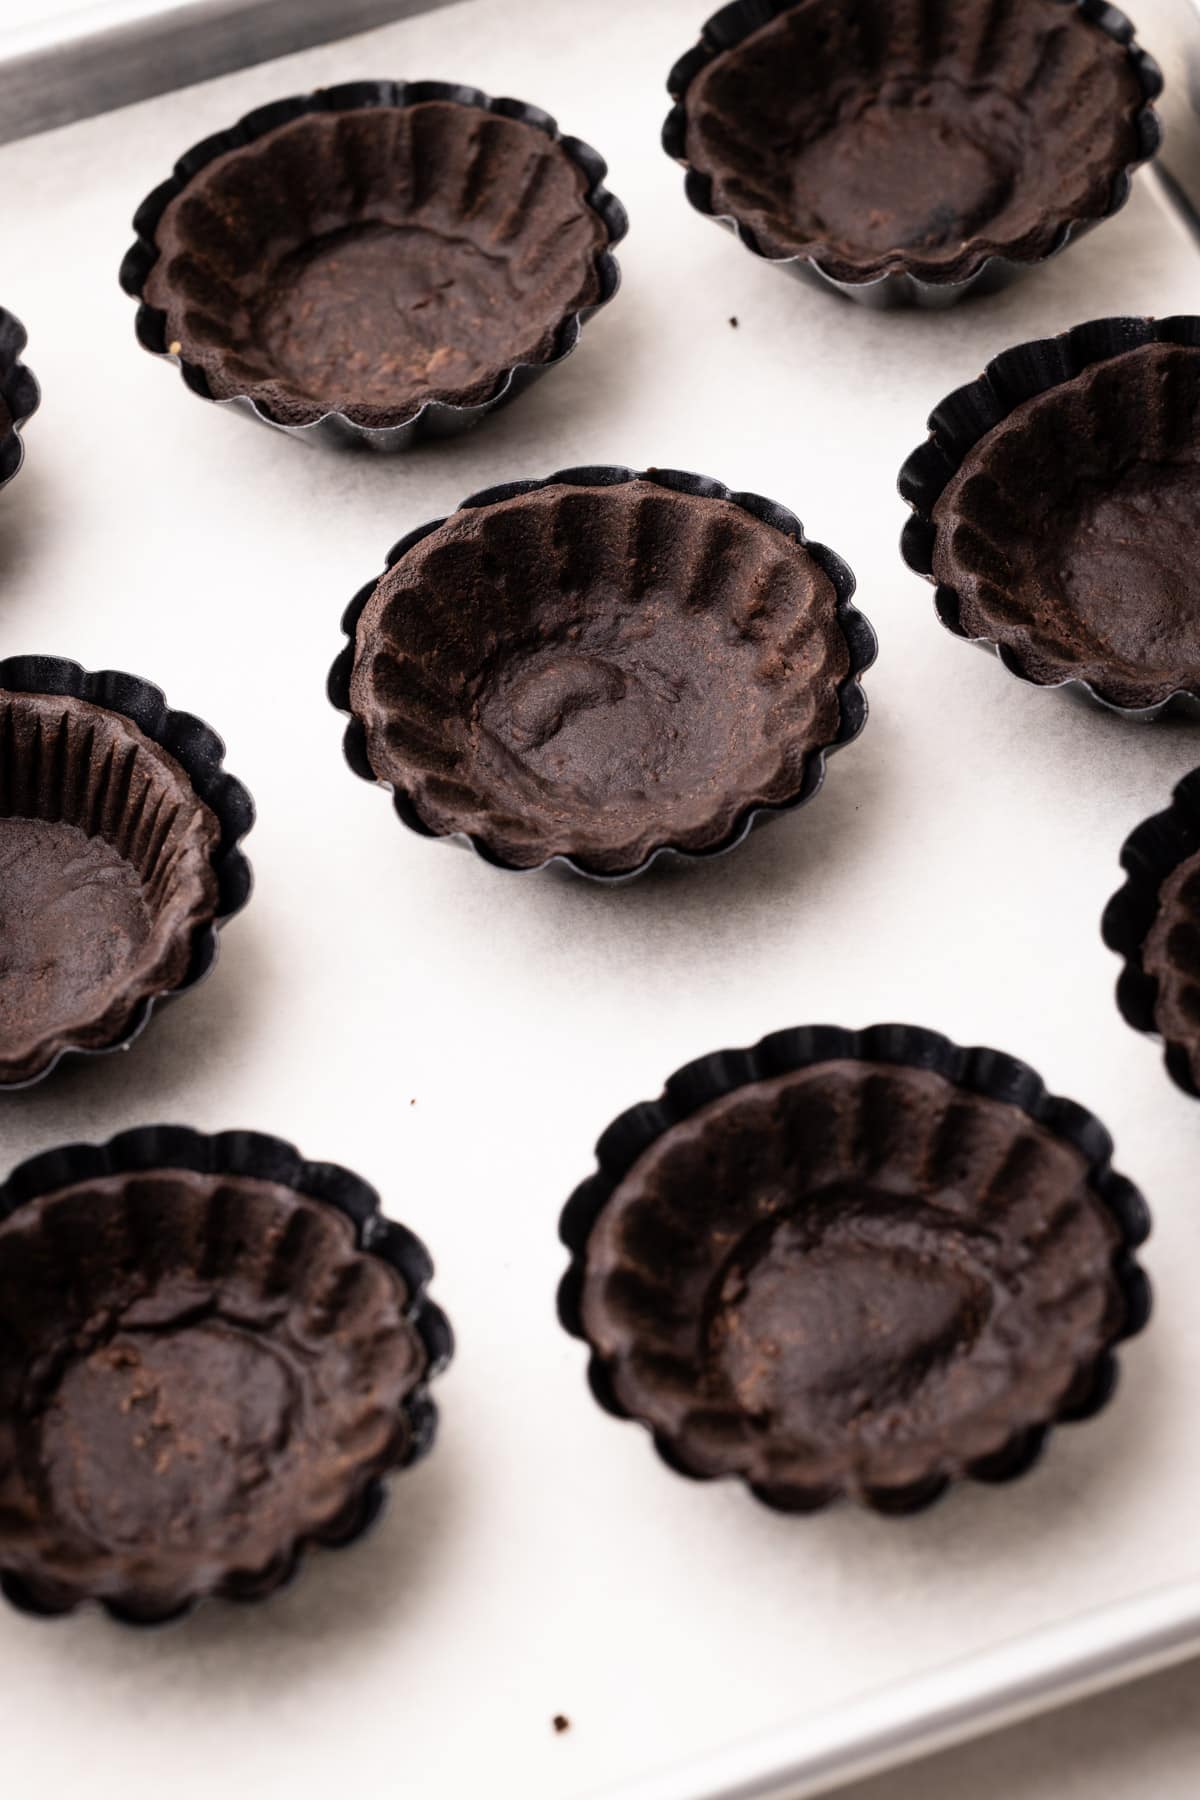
[212, 1355]
[216, 372]
[20, 395]
[914, 1103]
[114, 797]
[1152, 923]
[1112, 387]
[855, 641]
[830, 43]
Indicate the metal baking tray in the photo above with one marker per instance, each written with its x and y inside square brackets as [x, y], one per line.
[1176, 28]
[459, 1036]
[68, 59]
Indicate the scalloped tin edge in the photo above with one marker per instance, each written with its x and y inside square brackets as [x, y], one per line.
[1152, 852]
[435, 418]
[990, 1073]
[897, 287]
[200, 752]
[21, 391]
[856, 629]
[966, 416]
[267, 1158]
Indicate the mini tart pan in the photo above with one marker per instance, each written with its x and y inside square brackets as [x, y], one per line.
[1153, 923]
[20, 395]
[119, 834]
[211, 1354]
[381, 261]
[859, 1264]
[1056, 506]
[907, 152]
[635, 665]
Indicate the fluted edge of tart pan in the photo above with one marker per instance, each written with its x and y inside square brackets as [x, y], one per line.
[19, 391]
[860, 641]
[1150, 856]
[435, 418]
[199, 752]
[897, 284]
[130, 1587]
[966, 417]
[978, 1076]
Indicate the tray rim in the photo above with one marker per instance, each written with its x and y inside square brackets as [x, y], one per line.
[93, 59]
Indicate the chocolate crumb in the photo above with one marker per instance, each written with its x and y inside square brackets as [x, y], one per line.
[561, 1723]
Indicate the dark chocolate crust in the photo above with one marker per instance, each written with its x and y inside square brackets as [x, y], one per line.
[1153, 924]
[1070, 533]
[1171, 958]
[920, 138]
[858, 1276]
[596, 672]
[373, 261]
[201, 1371]
[107, 857]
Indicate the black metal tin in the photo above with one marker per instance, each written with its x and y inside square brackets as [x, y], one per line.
[19, 390]
[1149, 855]
[859, 635]
[200, 753]
[966, 416]
[739, 20]
[266, 1158]
[435, 418]
[989, 1073]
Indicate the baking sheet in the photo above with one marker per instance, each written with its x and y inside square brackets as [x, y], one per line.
[952, 873]
[61, 61]
[1174, 28]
